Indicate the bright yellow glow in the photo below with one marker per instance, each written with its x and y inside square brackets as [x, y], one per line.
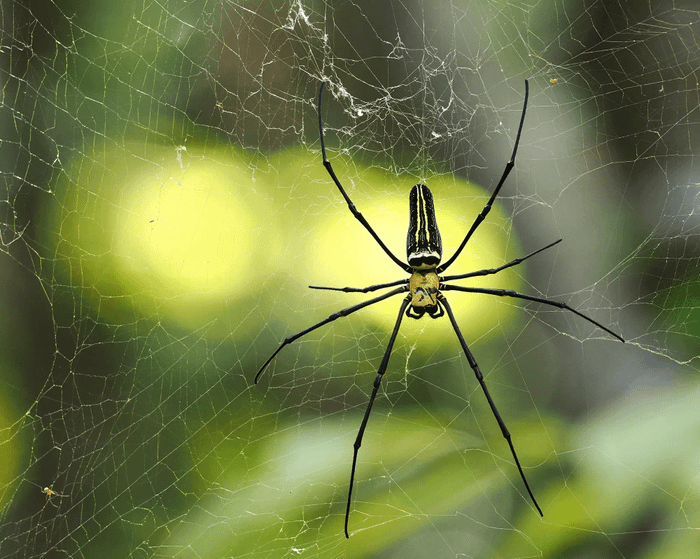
[175, 232]
[190, 233]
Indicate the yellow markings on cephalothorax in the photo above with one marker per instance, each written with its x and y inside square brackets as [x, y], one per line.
[424, 287]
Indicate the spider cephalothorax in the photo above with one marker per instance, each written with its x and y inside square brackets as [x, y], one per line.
[423, 288]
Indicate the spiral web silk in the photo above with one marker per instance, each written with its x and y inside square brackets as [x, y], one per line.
[165, 208]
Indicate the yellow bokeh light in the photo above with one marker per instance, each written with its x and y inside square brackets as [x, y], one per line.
[186, 235]
[169, 231]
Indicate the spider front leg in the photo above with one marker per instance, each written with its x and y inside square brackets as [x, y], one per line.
[504, 176]
[489, 271]
[362, 289]
[351, 206]
[377, 383]
[480, 377]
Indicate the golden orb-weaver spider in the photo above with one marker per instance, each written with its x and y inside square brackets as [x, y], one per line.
[425, 287]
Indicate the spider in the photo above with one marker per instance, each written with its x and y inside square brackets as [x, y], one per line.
[424, 288]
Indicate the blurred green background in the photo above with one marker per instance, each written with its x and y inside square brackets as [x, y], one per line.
[165, 208]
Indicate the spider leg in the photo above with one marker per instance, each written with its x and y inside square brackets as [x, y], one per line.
[480, 377]
[362, 289]
[331, 318]
[377, 383]
[487, 207]
[351, 206]
[511, 293]
[489, 271]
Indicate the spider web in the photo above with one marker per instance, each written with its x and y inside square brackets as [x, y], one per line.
[165, 208]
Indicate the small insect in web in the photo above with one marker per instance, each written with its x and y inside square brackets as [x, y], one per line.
[51, 493]
[424, 288]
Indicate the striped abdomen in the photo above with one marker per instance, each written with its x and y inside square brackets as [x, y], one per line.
[423, 244]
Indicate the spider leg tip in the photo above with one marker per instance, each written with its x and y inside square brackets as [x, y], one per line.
[617, 336]
[537, 506]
